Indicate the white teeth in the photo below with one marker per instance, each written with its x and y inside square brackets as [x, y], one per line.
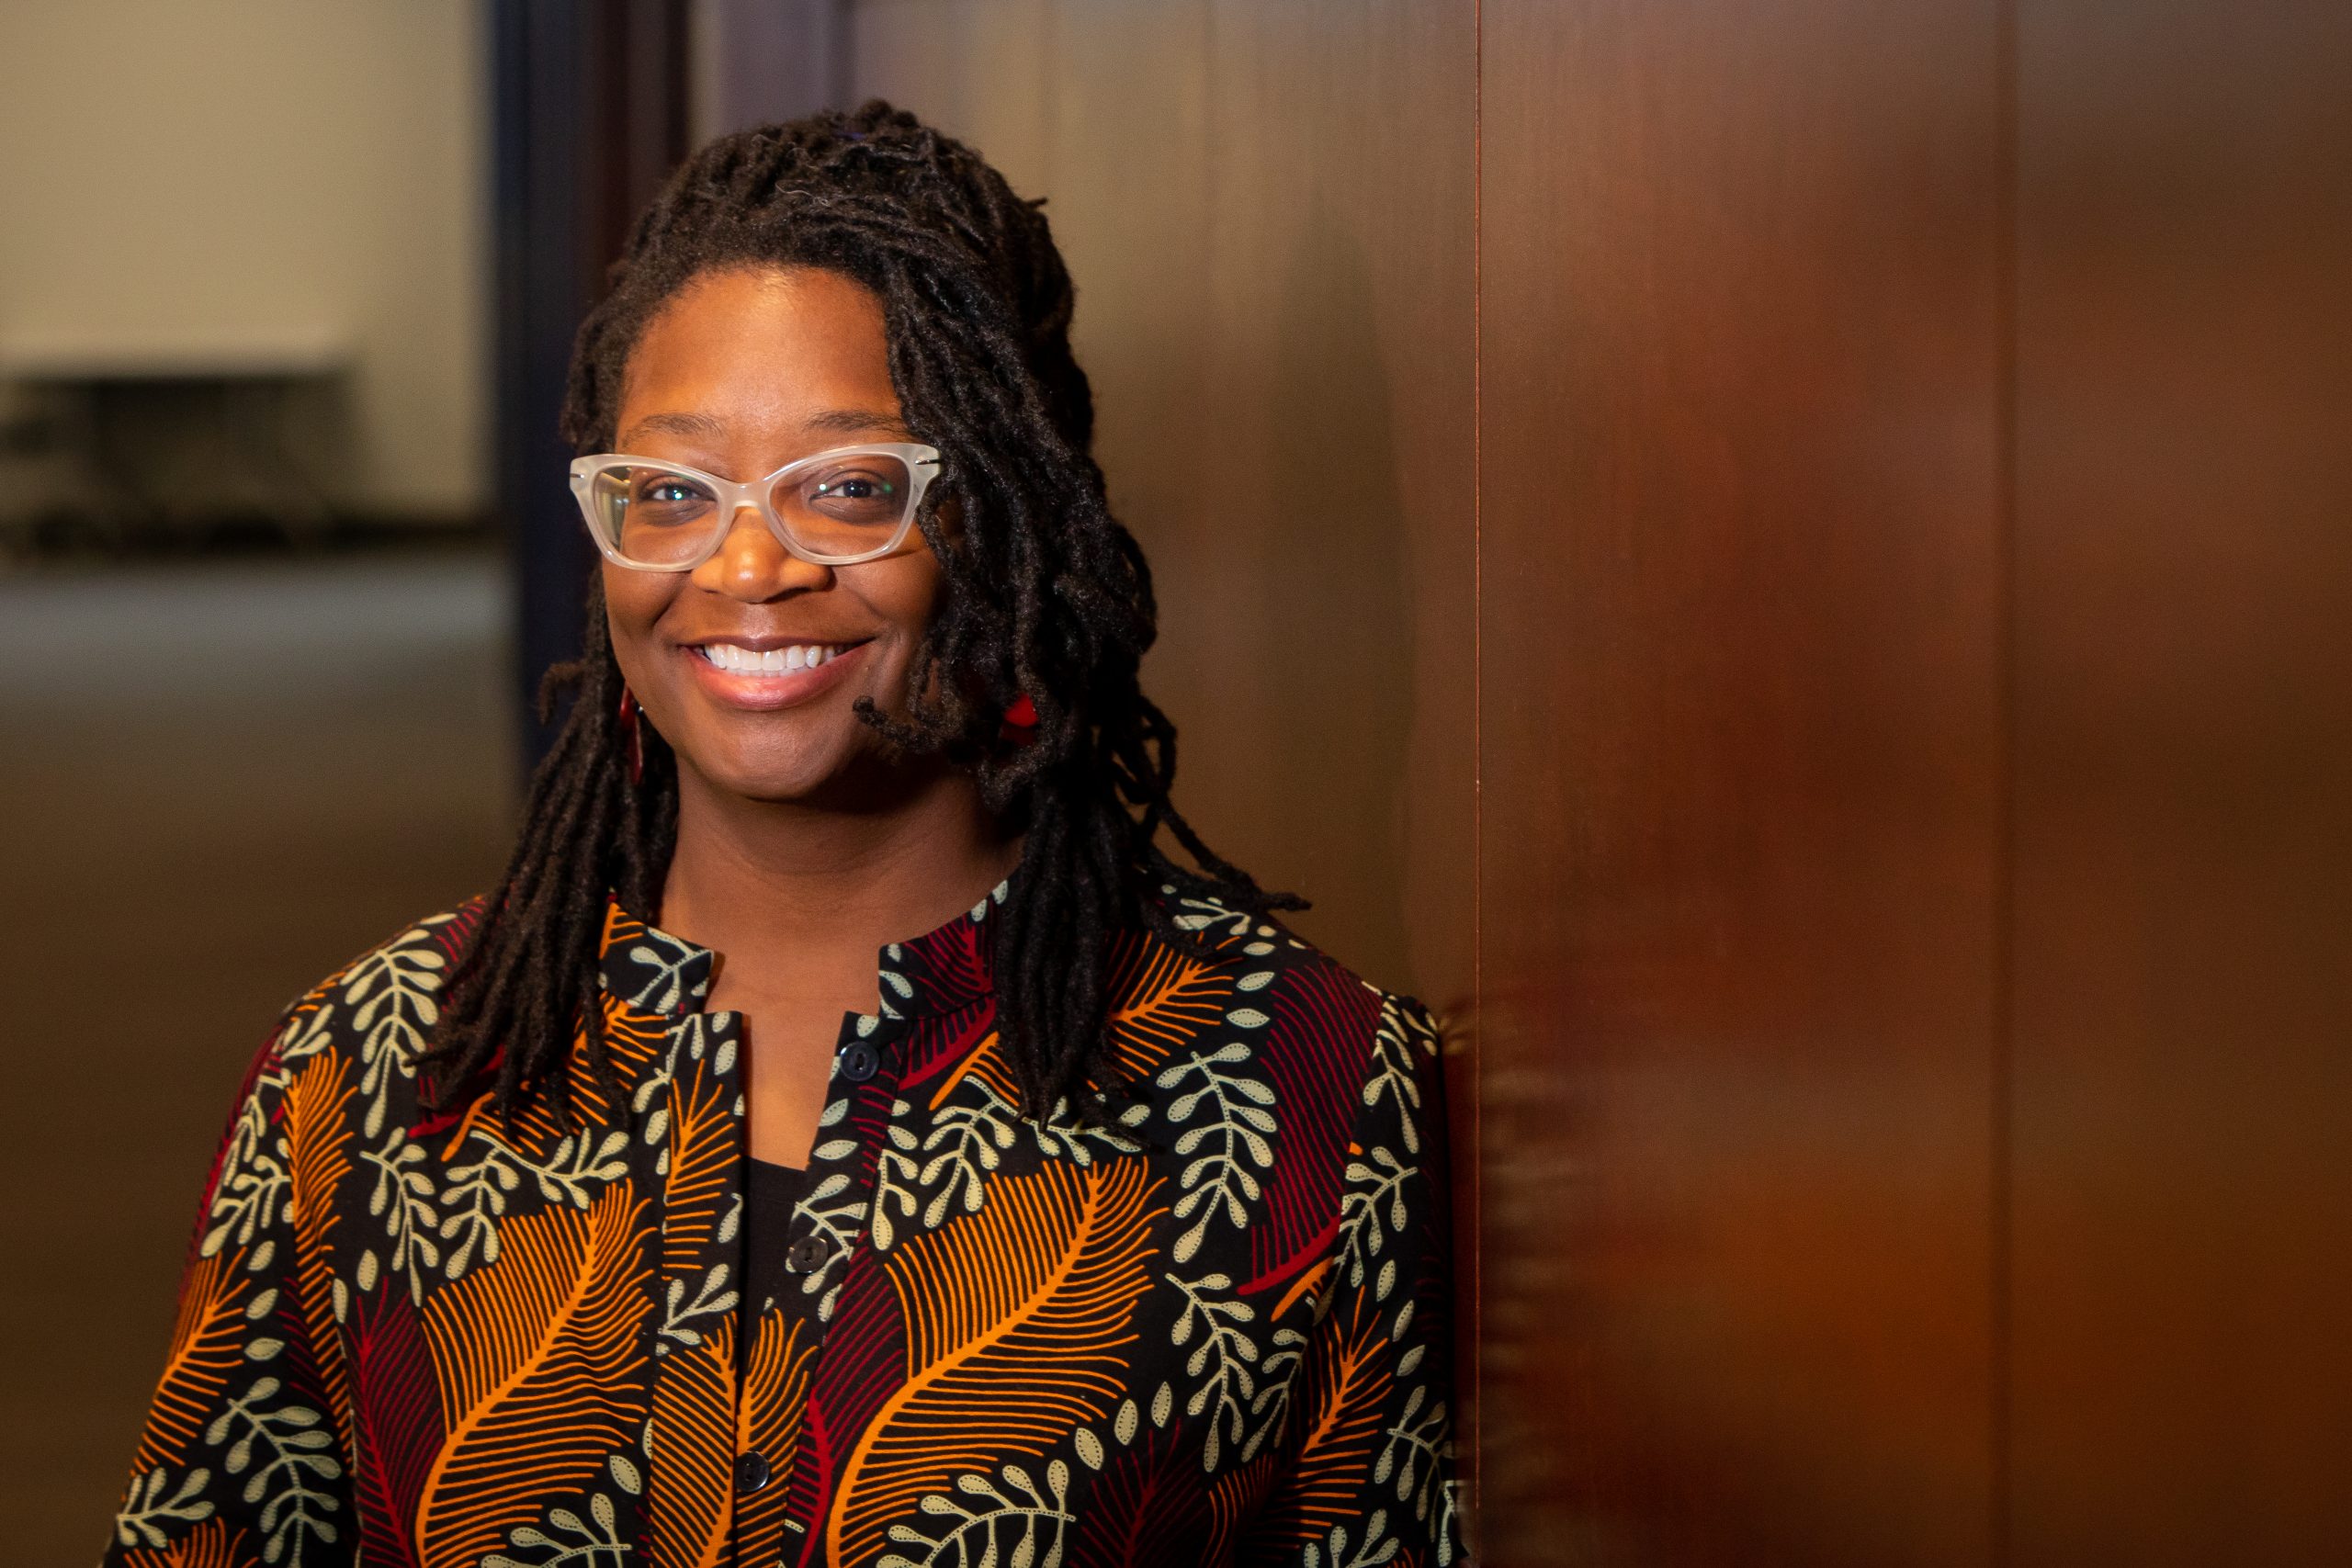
[739, 661]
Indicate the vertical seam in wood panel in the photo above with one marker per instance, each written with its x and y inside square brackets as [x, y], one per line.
[2004, 1038]
[1476, 1162]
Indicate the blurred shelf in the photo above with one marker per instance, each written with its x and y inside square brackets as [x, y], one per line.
[269, 353]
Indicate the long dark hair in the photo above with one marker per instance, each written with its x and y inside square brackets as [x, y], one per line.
[1046, 596]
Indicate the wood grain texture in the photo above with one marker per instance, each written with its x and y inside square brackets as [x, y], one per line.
[1905, 673]
[2183, 1390]
[1740, 491]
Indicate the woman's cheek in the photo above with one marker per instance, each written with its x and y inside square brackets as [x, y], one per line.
[907, 599]
[632, 608]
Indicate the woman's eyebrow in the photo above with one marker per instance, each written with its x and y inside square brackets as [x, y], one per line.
[696, 426]
[850, 422]
[703, 427]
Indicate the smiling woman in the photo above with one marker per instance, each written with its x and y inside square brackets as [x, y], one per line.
[636, 1208]
[755, 663]
[774, 367]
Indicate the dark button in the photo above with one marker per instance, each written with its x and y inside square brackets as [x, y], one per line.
[860, 1061]
[750, 1474]
[807, 1255]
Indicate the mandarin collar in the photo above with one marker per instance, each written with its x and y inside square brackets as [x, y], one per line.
[654, 971]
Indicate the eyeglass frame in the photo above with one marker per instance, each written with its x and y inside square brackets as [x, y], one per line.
[730, 498]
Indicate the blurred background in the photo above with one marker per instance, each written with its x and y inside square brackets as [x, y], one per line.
[1821, 640]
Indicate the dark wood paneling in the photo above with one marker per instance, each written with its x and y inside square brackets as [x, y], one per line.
[2184, 761]
[1741, 800]
[1907, 676]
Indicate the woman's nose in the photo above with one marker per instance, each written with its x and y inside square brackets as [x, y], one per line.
[752, 565]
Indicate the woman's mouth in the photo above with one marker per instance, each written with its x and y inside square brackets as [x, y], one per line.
[765, 678]
[737, 660]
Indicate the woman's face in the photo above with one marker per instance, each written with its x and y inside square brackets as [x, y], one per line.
[740, 373]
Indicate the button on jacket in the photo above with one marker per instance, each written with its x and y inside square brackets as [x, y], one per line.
[1214, 1331]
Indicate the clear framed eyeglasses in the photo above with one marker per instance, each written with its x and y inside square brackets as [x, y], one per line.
[850, 504]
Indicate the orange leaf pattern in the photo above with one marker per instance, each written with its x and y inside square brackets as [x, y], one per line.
[535, 1355]
[208, 1345]
[1210, 1330]
[1017, 1318]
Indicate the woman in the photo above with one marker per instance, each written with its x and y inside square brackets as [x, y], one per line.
[1102, 1224]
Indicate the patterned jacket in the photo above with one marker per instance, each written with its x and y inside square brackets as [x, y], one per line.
[1215, 1334]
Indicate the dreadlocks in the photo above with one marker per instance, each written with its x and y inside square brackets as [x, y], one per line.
[1046, 596]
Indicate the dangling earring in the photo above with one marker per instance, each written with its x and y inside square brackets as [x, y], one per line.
[636, 738]
[1020, 726]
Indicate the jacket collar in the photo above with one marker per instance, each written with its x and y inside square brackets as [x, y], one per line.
[652, 971]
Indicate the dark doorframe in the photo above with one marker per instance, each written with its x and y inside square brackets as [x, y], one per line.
[589, 114]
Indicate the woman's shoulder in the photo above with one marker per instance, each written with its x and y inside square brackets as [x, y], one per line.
[1245, 984]
[1283, 1084]
[340, 1063]
[388, 995]
[1259, 951]
[412, 964]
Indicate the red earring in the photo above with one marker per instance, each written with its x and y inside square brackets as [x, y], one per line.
[1020, 727]
[636, 738]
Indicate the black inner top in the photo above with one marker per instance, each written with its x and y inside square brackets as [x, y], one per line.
[771, 1191]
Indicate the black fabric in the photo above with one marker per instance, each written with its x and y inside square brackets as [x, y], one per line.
[769, 1197]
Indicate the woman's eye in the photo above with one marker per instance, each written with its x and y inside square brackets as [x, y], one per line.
[854, 487]
[669, 491]
[867, 492]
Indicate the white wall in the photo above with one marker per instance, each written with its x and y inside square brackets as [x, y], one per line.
[257, 173]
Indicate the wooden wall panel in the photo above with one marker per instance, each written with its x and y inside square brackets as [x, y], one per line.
[1284, 360]
[2183, 1386]
[1268, 212]
[1892, 597]
[1741, 801]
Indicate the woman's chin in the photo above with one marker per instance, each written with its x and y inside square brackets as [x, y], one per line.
[857, 774]
[774, 786]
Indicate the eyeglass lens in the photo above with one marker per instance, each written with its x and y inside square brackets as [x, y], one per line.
[661, 516]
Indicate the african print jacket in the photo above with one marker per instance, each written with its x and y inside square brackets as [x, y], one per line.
[1216, 1333]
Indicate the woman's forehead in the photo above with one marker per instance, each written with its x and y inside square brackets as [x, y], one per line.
[751, 354]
